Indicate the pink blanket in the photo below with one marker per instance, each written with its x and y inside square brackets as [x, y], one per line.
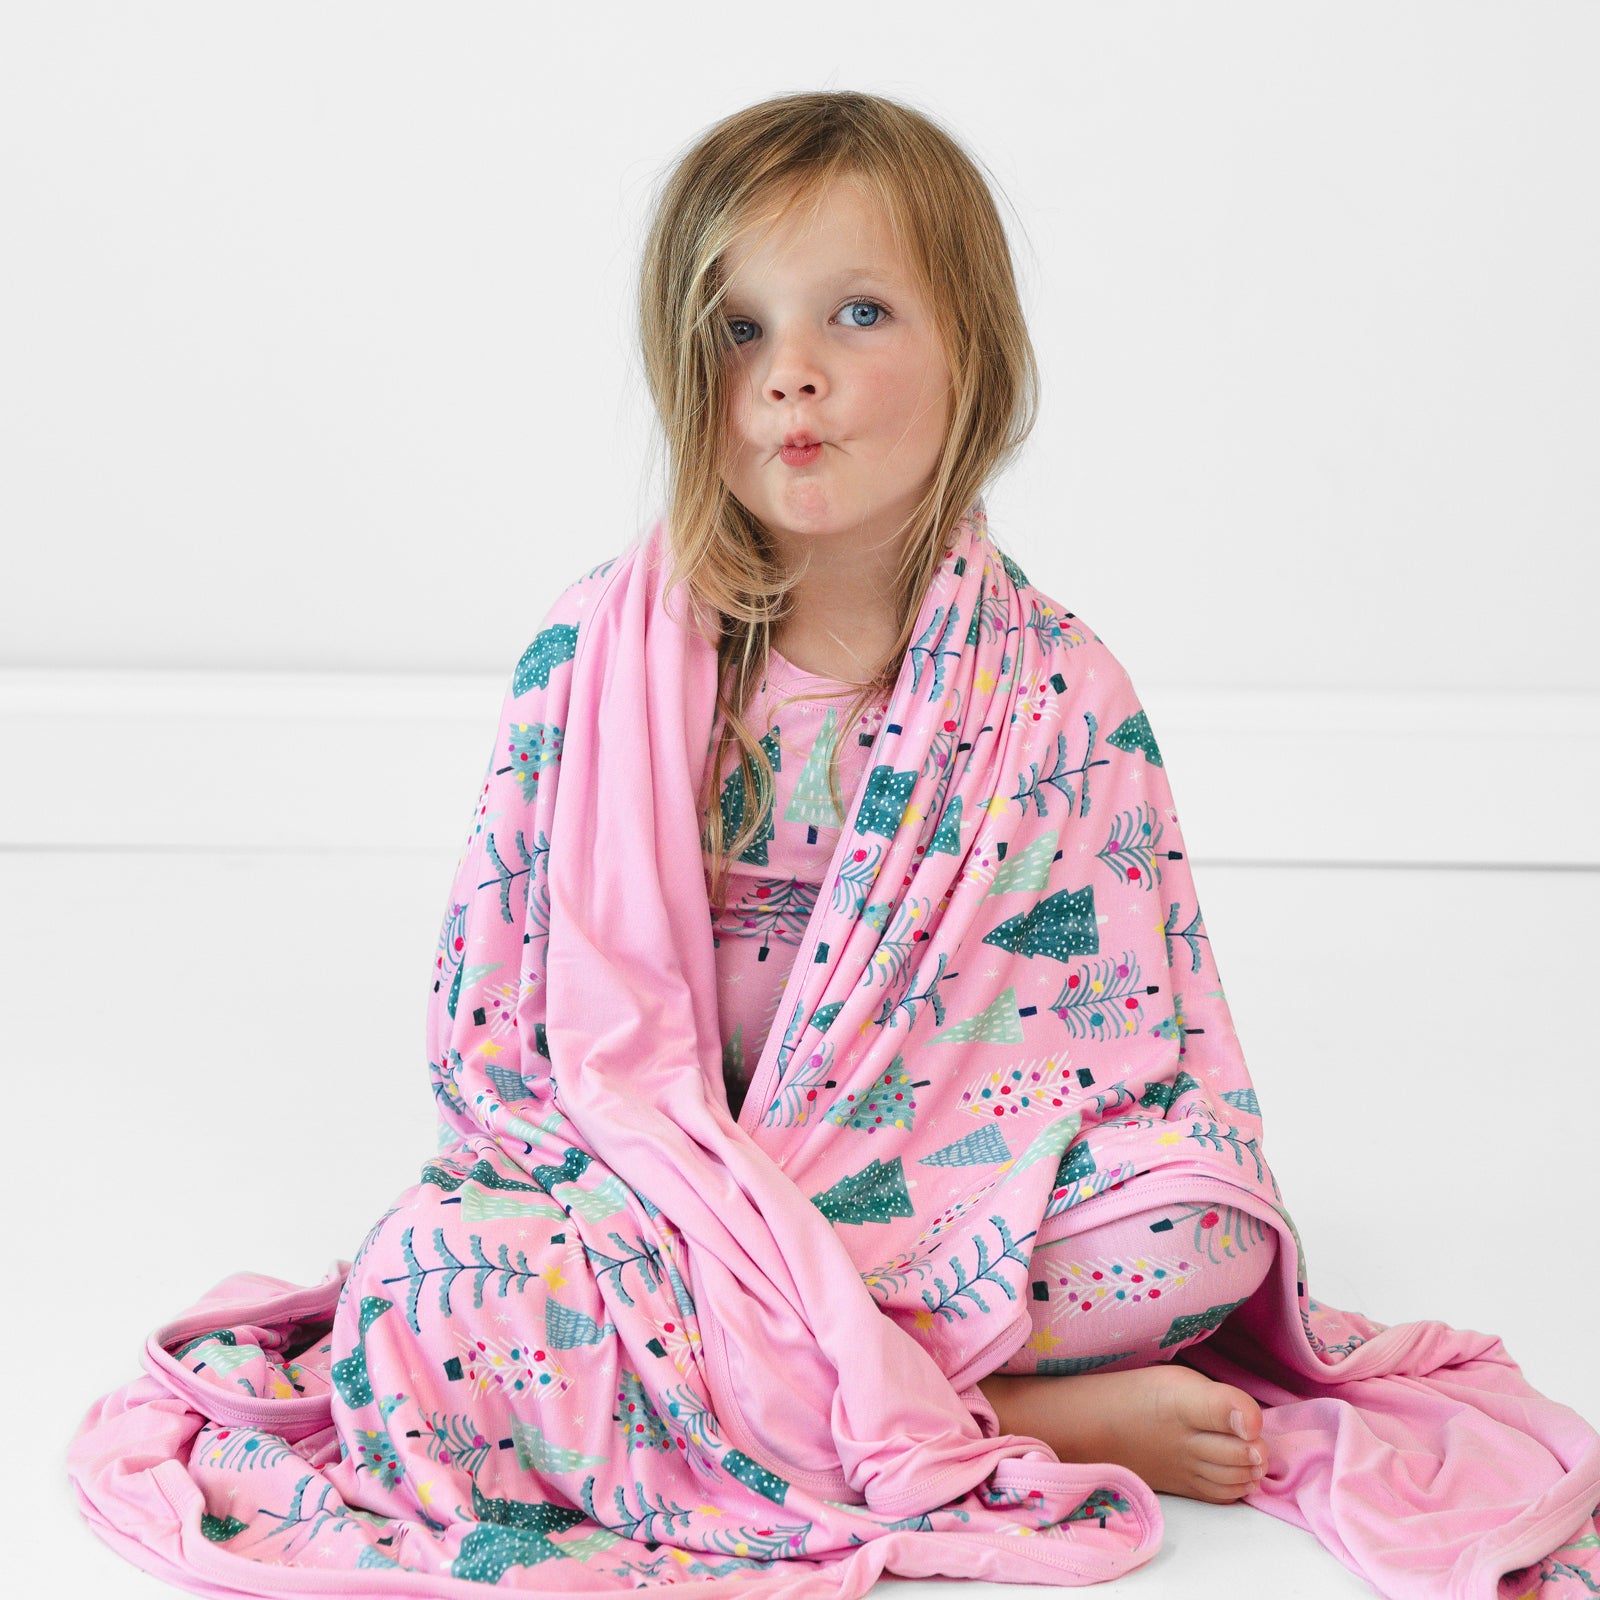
[613, 1339]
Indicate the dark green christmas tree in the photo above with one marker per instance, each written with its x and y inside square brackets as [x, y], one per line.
[883, 806]
[733, 804]
[876, 1193]
[1134, 734]
[947, 839]
[1060, 926]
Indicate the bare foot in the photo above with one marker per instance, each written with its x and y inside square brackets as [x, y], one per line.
[1169, 1424]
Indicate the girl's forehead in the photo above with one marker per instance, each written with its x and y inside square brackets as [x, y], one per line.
[845, 234]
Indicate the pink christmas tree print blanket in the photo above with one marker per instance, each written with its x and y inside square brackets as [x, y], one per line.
[613, 1338]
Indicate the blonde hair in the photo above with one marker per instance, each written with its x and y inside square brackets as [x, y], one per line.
[738, 179]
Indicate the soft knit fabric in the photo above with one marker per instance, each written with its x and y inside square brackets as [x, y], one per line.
[772, 886]
[615, 1337]
[1140, 1288]
[1104, 1299]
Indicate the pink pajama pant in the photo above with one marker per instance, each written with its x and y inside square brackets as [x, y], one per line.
[1138, 1290]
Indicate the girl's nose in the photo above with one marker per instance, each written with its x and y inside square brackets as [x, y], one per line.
[795, 369]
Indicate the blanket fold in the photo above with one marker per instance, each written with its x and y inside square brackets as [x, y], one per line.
[615, 1337]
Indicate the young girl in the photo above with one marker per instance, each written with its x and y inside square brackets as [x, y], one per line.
[846, 1161]
[840, 457]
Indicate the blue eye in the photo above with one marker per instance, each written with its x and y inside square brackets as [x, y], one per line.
[879, 313]
[871, 305]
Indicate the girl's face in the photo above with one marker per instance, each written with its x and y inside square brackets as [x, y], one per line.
[833, 342]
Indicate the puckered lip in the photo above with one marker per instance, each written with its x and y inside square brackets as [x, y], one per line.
[799, 441]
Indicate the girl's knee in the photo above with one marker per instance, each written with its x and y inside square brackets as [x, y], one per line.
[1141, 1287]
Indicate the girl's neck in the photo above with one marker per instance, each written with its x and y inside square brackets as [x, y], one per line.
[854, 658]
[842, 622]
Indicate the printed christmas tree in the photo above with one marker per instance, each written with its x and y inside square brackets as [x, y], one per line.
[734, 800]
[1060, 926]
[947, 838]
[1028, 869]
[997, 1023]
[549, 649]
[983, 1147]
[891, 1102]
[811, 803]
[642, 1427]
[877, 1193]
[1134, 733]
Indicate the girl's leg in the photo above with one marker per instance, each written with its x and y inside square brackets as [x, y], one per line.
[1111, 1307]
[1138, 1290]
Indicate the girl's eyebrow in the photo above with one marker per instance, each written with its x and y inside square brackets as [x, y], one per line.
[859, 275]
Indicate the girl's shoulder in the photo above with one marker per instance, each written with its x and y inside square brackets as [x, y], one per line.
[556, 638]
[571, 604]
[1056, 628]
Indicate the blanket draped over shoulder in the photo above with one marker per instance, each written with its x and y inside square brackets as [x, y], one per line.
[614, 1338]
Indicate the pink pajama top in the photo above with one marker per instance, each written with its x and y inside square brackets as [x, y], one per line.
[773, 886]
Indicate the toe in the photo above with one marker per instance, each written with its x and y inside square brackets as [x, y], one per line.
[1228, 1450]
[1212, 1408]
[1218, 1494]
[1241, 1478]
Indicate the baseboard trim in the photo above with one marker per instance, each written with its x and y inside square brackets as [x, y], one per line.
[366, 761]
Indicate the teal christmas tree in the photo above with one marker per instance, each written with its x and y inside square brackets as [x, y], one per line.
[874, 1194]
[1134, 734]
[1060, 926]
[733, 804]
[891, 1102]
[884, 804]
[532, 746]
[642, 1427]
[947, 839]
[377, 1453]
[983, 1147]
[548, 650]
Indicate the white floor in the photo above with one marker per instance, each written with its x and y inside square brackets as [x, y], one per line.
[219, 1065]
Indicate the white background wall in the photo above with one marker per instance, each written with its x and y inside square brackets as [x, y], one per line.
[317, 382]
[318, 319]
[316, 358]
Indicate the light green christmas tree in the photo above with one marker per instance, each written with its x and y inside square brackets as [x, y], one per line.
[811, 803]
[1028, 869]
[997, 1023]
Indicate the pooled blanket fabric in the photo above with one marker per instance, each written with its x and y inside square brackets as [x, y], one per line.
[614, 1338]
